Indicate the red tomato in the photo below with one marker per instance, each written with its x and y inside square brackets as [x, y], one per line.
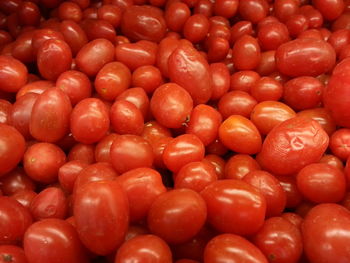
[234, 206]
[68, 173]
[49, 121]
[12, 148]
[232, 248]
[292, 145]
[15, 181]
[56, 240]
[305, 57]
[246, 53]
[330, 9]
[144, 248]
[144, 182]
[103, 148]
[239, 166]
[279, 240]
[191, 71]
[324, 231]
[188, 215]
[15, 219]
[339, 143]
[13, 74]
[240, 135]
[9, 253]
[101, 213]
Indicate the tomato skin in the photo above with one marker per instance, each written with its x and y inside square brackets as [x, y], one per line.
[144, 248]
[165, 49]
[234, 206]
[53, 50]
[339, 143]
[322, 238]
[15, 219]
[186, 207]
[129, 152]
[143, 23]
[68, 173]
[14, 254]
[13, 74]
[220, 78]
[57, 241]
[103, 147]
[144, 182]
[176, 16]
[101, 213]
[305, 57]
[232, 248]
[139, 98]
[12, 148]
[74, 35]
[292, 145]
[239, 165]
[182, 150]
[89, 121]
[240, 135]
[279, 240]
[329, 9]
[50, 116]
[94, 55]
[190, 70]
[246, 53]
[336, 94]
[321, 183]
[15, 181]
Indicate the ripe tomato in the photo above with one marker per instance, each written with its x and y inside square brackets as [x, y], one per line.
[101, 213]
[9, 253]
[13, 74]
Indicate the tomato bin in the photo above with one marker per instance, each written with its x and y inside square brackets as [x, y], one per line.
[185, 131]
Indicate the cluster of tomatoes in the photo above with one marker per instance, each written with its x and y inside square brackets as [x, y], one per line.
[187, 131]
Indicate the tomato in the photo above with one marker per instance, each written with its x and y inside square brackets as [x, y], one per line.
[36, 87]
[292, 145]
[268, 114]
[240, 135]
[196, 28]
[234, 206]
[12, 148]
[243, 80]
[15, 219]
[240, 165]
[94, 55]
[68, 173]
[171, 105]
[139, 98]
[332, 160]
[143, 23]
[147, 77]
[321, 183]
[129, 152]
[246, 53]
[232, 248]
[70, 11]
[305, 57]
[267, 88]
[24, 197]
[53, 50]
[15, 181]
[98, 29]
[9, 253]
[110, 13]
[50, 116]
[101, 213]
[220, 80]
[41, 162]
[330, 10]
[89, 115]
[103, 147]
[191, 71]
[324, 232]
[165, 49]
[188, 215]
[279, 240]
[5, 111]
[176, 16]
[73, 35]
[82, 152]
[13, 74]
[271, 189]
[272, 35]
[182, 150]
[144, 248]
[144, 182]
[56, 240]
[339, 143]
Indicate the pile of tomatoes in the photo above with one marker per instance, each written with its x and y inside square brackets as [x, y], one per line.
[185, 131]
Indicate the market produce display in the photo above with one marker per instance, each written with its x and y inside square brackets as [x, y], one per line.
[185, 131]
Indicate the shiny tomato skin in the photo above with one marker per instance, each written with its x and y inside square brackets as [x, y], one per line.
[305, 57]
[53, 50]
[339, 143]
[330, 9]
[232, 248]
[239, 165]
[188, 215]
[190, 70]
[239, 134]
[50, 116]
[279, 240]
[144, 248]
[56, 240]
[292, 145]
[12, 148]
[145, 182]
[246, 53]
[325, 231]
[14, 254]
[15, 181]
[15, 220]
[143, 23]
[89, 121]
[129, 152]
[234, 206]
[13, 74]
[101, 213]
